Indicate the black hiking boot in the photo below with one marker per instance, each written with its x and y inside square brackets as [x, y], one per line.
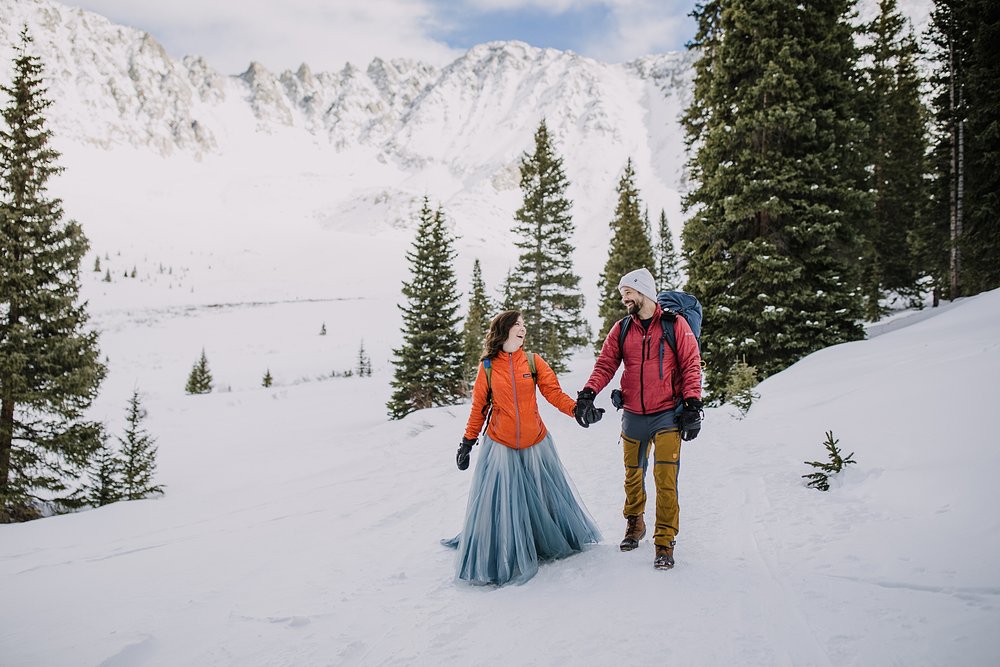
[635, 530]
[664, 557]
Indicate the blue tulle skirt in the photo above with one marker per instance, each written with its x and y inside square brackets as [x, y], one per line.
[522, 509]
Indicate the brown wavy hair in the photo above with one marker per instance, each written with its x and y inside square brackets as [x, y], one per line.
[500, 328]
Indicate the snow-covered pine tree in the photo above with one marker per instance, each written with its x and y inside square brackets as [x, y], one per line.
[428, 366]
[772, 244]
[668, 270]
[105, 469]
[477, 323]
[138, 454]
[628, 250]
[545, 288]
[97, 264]
[897, 123]
[322, 329]
[268, 379]
[200, 378]
[49, 363]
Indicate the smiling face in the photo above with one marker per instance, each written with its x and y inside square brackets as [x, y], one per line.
[633, 300]
[515, 336]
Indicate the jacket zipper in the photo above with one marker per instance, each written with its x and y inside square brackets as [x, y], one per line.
[517, 416]
[642, 367]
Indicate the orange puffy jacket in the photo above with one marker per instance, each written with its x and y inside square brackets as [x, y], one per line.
[515, 421]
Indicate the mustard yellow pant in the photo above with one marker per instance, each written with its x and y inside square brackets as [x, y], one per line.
[666, 449]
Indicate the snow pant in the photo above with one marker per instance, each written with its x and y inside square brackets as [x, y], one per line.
[656, 434]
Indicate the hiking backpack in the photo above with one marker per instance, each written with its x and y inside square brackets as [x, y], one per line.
[673, 303]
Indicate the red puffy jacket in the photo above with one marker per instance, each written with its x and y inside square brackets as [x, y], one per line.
[653, 380]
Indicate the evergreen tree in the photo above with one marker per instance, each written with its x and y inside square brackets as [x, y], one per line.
[200, 379]
[629, 249]
[105, 485]
[268, 380]
[668, 272]
[428, 365]
[772, 245]
[107, 276]
[322, 329]
[544, 288]
[507, 293]
[477, 323]
[364, 368]
[967, 147]
[897, 129]
[138, 454]
[97, 264]
[49, 363]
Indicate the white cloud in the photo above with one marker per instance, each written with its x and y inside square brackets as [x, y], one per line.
[281, 35]
[639, 28]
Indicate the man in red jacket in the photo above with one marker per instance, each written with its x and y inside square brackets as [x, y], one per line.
[661, 398]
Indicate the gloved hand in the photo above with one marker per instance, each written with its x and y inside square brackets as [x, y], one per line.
[464, 450]
[690, 418]
[584, 411]
[616, 399]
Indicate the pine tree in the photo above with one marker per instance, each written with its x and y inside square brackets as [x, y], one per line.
[107, 276]
[428, 365]
[49, 363]
[97, 264]
[629, 250]
[507, 292]
[322, 329]
[668, 272]
[200, 379]
[268, 380]
[364, 368]
[966, 108]
[105, 485]
[897, 123]
[772, 245]
[544, 288]
[138, 454]
[477, 323]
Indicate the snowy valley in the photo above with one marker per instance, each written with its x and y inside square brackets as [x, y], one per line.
[300, 526]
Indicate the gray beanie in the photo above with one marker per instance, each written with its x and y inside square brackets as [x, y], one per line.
[641, 280]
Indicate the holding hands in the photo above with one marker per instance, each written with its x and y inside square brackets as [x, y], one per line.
[585, 412]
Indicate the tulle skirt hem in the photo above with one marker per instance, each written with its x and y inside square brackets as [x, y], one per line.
[522, 510]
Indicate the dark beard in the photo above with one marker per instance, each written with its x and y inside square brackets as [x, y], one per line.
[633, 308]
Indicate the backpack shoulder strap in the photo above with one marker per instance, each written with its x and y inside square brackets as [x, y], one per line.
[623, 326]
[669, 334]
[531, 365]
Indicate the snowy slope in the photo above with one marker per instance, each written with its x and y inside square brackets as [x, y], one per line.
[300, 527]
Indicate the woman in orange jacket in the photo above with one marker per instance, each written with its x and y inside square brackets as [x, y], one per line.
[522, 506]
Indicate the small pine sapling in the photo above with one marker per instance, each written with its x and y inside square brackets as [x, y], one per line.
[322, 329]
[739, 388]
[268, 380]
[200, 378]
[821, 478]
[138, 454]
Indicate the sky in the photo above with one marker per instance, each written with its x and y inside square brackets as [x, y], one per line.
[328, 33]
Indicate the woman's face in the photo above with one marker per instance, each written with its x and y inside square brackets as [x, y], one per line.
[515, 337]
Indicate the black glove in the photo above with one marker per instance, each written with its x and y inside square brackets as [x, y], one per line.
[464, 450]
[616, 399]
[584, 411]
[690, 419]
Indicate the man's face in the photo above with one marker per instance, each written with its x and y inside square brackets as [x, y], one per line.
[633, 300]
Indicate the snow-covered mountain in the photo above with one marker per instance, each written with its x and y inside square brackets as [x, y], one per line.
[354, 150]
